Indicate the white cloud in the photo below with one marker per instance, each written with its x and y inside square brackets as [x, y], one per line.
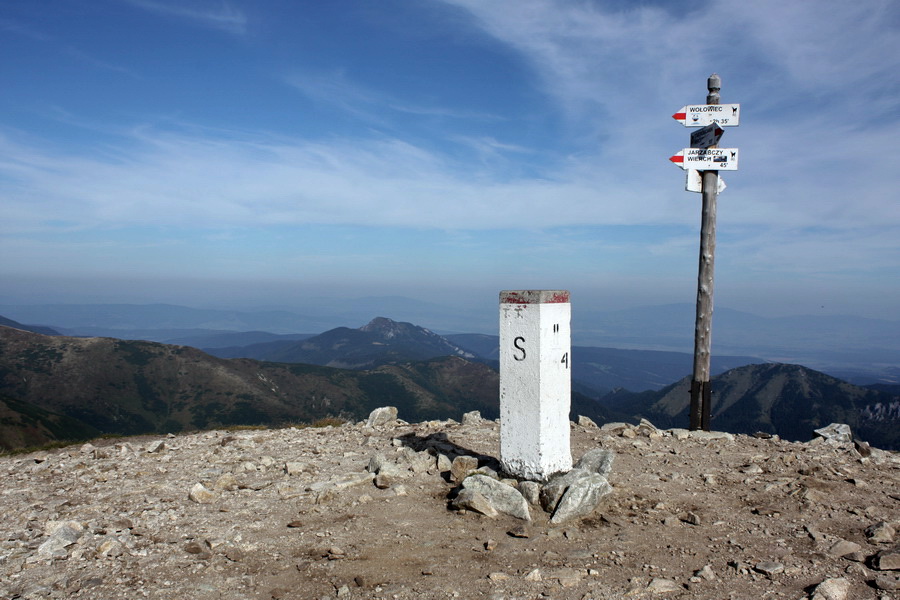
[214, 15]
[816, 185]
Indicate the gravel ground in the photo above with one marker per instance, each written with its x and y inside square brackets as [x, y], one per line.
[293, 513]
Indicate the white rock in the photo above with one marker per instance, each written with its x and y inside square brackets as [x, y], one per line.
[384, 415]
[200, 494]
[832, 589]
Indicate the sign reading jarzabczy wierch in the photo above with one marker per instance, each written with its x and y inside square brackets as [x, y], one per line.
[707, 159]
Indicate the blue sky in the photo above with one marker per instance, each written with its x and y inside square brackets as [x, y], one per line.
[237, 153]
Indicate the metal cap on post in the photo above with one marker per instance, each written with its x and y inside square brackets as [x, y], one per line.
[713, 84]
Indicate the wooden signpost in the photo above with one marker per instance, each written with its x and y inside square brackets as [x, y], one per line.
[706, 157]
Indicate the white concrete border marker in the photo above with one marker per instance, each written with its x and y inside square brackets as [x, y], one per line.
[535, 382]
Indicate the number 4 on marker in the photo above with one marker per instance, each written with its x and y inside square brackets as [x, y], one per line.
[565, 359]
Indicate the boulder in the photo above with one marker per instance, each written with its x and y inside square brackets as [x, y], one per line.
[887, 560]
[553, 490]
[586, 422]
[581, 498]
[462, 466]
[503, 498]
[597, 460]
[385, 415]
[832, 589]
[836, 432]
[471, 418]
[469, 499]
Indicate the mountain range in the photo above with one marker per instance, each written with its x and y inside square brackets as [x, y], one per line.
[788, 400]
[380, 341]
[124, 387]
[595, 371]
[53, 387]
[856, 349]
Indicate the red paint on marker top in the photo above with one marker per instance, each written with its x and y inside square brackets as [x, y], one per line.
[534, 297]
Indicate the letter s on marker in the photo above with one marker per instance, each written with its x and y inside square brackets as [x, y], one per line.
[518, 347]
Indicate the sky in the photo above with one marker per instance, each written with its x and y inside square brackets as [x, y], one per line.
[235, 153]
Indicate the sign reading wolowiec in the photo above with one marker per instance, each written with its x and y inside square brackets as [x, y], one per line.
[707, 159]
[699, 115]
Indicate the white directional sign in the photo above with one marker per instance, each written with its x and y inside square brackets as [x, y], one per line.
[706, 136]
[699, 115]
[709, 159]
[694, 182]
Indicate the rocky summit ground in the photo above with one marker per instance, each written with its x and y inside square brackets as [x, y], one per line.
[294, 513]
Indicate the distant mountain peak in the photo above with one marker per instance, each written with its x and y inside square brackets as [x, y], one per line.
[387, 328]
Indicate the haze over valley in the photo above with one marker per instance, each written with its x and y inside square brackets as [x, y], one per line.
[120, 383]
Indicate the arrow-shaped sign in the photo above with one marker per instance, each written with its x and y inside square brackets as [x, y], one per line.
[694, 182]
[706, 136]
[707, 159]
[699, 115]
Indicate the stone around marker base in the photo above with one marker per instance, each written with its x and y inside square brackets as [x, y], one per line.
[503, 498]
[443, 463]
[384, 415]
[462, 466]
[553, 490]
[597, 460]
[531, 491]
[474, 501]
[581, 498]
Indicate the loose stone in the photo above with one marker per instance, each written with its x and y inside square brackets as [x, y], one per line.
[880, 533]
[462, 467]
[200, 494]
[887, 560]
[832, 589]
[502, 497]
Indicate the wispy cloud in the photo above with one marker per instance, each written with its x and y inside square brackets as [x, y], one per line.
[18, 28]
[215, 15]
[337, 90]
[97, 63]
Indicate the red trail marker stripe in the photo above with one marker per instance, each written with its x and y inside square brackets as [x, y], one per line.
[677, 158]
[679, 116]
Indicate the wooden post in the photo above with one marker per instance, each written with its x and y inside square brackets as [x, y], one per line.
[701, 392]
